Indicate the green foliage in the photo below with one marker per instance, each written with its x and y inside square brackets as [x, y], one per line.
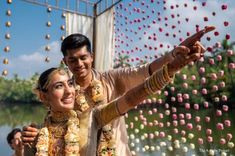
[17, 90]
[121, 61]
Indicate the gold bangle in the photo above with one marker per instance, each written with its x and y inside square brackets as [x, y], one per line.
[146, 87]
[166, 74]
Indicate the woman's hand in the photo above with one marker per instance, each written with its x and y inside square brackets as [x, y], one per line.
[190, 42]
[189, 50]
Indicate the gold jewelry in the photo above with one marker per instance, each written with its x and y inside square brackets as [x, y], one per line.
[68, 132]
[157, 81]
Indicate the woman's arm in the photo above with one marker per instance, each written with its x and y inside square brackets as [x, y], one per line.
[155, 82]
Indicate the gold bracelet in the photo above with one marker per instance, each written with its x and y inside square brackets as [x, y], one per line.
[146, 87]
[166, 74]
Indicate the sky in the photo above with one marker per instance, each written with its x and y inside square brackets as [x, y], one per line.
[29, 28]
[139, 35]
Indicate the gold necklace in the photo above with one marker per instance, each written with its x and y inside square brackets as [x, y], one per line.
[68, 133]
[83, 101]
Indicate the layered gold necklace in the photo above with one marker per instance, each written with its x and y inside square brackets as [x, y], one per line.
[60, 136]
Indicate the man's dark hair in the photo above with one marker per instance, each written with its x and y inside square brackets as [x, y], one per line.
[11, 135]
[75, 41]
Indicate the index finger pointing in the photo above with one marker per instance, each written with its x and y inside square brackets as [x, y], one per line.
[209, 28]
[197, 36]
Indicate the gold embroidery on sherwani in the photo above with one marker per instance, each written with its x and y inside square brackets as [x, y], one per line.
[85, 100]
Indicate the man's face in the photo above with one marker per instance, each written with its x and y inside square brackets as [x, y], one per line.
[79, 62]
[16, 140]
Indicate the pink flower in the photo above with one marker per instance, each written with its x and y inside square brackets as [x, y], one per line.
[229, 136]
[221, 73]
[220, 126]
[211, 61]
[148, 101]
[196, 106]
[181, 116]
[208, 131]
[187, 106]
[218, 112]
[207, 119]
[154, 100]
[131, 125]
[180, 99]
[174, 116]
[183, 133]
[179, 95]
[218, 45]
[189, 126]
[151, 135]
[224, 7]
[161, 115]
[150, 124]
[230, 52]
[199, 127]
[150, 112]
[226, 23]
[175, 130]
[159, 101]
[231, 65]
[182, 122]
[162, 134]
[188, 116]
[214, 88]
[161, 124]
[168, 124]
[213, 76]
[224, 98]
[206, 104]
[202, 70]
[193, 77]
[194, 91]
[225, 108]
[185, 85]
[227, 123]
[204, 91]
[203, 80]
[174, 109]
[184, 76]
[167, 105]
[155, 122]
[209, 139]
[175, 123]
[197, 118]
[200, 141]
[186, 96]
[222, 141]
[222, 84]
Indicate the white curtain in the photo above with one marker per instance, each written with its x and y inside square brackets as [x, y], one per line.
[104, 46]
[79, 24]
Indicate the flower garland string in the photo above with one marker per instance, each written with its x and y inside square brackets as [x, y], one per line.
[106, 142]
[69, 134]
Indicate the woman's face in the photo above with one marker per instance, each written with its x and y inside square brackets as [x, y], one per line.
[61, 93]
